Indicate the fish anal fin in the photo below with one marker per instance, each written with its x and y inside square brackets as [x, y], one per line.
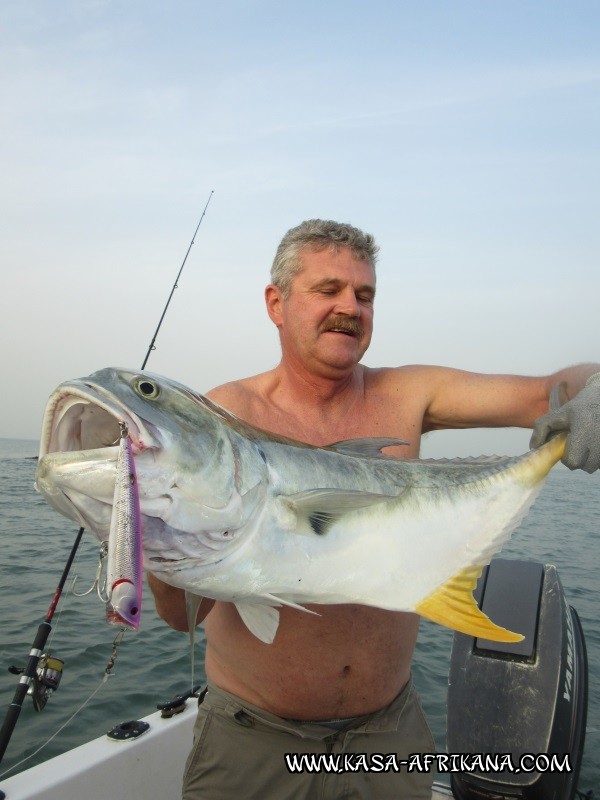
[454, 606]
[261, 619]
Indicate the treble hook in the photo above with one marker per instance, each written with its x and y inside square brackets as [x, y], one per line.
[99, 585]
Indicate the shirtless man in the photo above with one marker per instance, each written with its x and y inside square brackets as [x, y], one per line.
[340, 682]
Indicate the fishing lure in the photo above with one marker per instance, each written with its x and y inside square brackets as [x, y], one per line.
[124, 568]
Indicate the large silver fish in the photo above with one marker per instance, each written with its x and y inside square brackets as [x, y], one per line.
[234, 513]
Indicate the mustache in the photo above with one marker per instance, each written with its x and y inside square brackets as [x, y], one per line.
[340, 322]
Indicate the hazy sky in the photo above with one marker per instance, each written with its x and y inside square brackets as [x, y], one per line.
[464, 135]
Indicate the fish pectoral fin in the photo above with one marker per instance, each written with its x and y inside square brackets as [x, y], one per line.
[365, 447]
[261, 619]
[322, 507]
[192, 606]
[454, 606]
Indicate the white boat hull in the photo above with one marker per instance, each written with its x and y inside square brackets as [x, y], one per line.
[105, 768]
[150, 766]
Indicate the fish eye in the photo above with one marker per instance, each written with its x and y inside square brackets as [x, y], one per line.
[147, 389]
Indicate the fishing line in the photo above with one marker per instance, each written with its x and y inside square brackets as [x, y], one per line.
[30, 673]
[54, 735]
[107, 674]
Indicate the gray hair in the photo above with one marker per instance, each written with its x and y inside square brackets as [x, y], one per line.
[316, 235]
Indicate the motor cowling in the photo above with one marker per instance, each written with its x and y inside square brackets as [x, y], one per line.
[526, 701]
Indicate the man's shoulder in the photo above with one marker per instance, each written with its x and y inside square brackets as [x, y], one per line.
[240, 395]
[393, 379]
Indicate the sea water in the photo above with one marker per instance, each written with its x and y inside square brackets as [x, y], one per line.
[154, 664]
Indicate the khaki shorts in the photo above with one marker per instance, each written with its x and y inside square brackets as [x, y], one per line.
[239, 753]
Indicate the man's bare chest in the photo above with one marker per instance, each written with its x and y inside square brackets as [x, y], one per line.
[364, 421]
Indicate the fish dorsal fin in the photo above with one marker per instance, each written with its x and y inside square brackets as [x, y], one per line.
[323, 507]
[260, 619]
[371, 446]
[454, 606]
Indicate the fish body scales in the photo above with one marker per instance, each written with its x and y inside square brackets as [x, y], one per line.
[391, 554]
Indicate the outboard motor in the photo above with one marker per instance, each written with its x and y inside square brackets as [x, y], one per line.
[526, 701]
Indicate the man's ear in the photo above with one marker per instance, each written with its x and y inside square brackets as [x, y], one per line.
[273, 300]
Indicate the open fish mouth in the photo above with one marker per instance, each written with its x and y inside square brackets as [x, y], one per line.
[81, 415]
[79, 447]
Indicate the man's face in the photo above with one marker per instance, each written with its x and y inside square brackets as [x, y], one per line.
[327, 319]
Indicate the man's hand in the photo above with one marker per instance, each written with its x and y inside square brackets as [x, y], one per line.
[581, 417]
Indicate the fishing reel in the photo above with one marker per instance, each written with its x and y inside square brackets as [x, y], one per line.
[49, 672]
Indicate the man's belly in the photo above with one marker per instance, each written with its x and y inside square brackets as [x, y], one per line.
[350, 660]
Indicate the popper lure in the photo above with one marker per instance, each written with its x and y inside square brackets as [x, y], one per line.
[124, 567]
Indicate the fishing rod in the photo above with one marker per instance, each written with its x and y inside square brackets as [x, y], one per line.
[160, 322]
[29, 674]
[43, 680]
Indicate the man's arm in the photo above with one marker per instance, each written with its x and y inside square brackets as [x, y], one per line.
[575, 378]
[170, 604]
[460, 399]
[468, 400]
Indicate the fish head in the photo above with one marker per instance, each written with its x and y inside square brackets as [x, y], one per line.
[193, 468]
[87, 413]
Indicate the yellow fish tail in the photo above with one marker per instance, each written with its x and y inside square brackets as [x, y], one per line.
[454, 606]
